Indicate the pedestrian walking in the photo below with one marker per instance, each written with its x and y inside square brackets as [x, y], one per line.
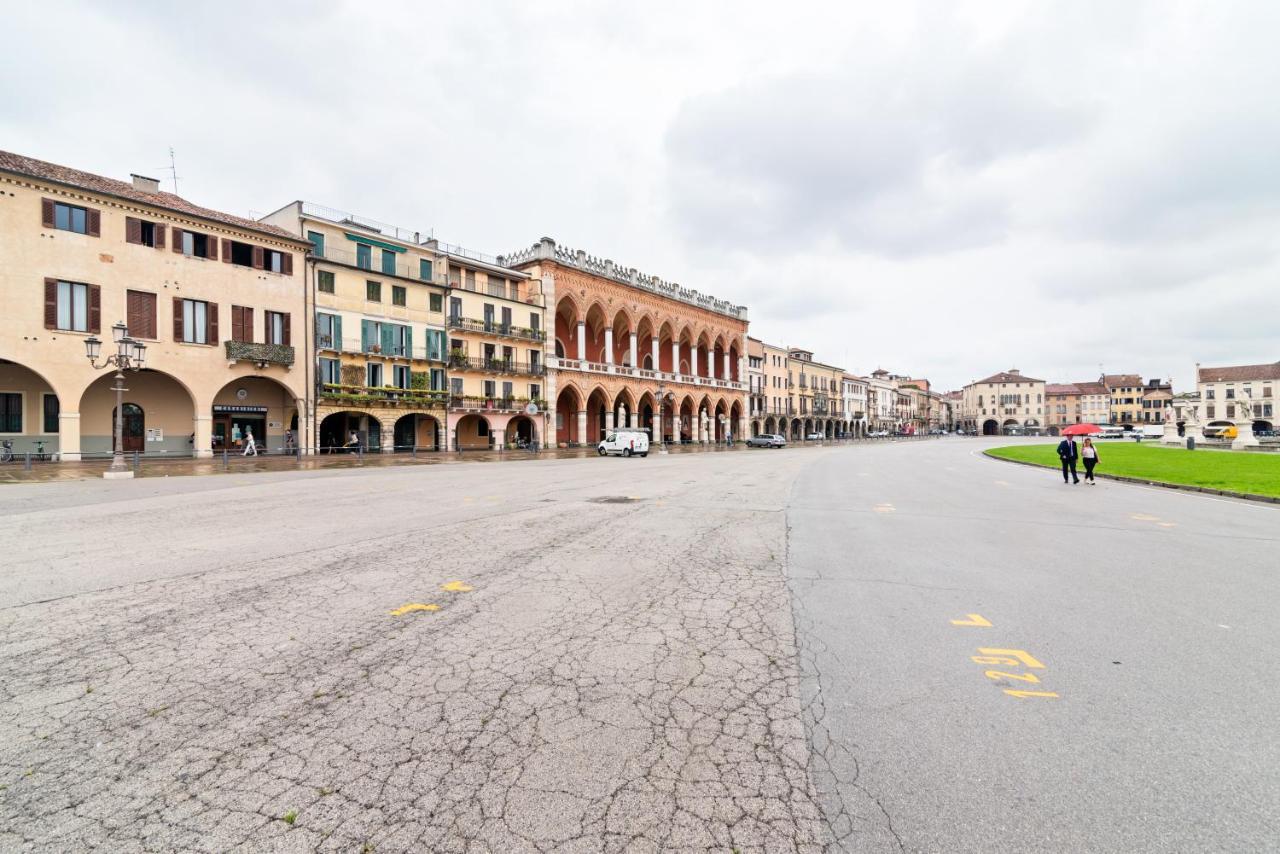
[288, 440]
[1089, 455]
[1068, 453]
[250, 446]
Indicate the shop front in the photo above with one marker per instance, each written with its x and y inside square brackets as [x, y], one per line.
[232, 426]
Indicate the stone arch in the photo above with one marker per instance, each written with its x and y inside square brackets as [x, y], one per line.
[521, 432]
[335, 429]
[174, 416]
[565, 324]
[597, 319]
[416, 431]
[474, 432]
[598, 407]
[646, 406]
[623, 398]
[990, 427]
[34, 387]
[272, 403]
[569, 402]
[686, 430]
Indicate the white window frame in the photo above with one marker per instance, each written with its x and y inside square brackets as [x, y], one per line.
[195, 321]
[370, 369]
[73, 296]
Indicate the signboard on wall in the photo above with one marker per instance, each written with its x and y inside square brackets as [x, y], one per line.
[155, 434]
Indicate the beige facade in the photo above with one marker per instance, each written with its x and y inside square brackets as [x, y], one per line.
[1062, 406]
[1226, 391]
[1126, 398]
[219, 302]
[1006, 402]
[1095, 402]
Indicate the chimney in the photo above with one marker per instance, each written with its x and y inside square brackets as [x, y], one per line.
[144, 184]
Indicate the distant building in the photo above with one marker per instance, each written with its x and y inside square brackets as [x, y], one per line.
[1156, 396]
[1007, 402]
[1126, 398]
[1222, 390]
[1095, 402]
[1062, 406]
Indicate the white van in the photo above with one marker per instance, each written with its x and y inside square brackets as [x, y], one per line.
[625, 442]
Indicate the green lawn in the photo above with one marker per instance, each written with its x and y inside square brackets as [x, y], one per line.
[1238, 471]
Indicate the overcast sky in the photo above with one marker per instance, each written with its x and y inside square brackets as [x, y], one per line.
[941, 189]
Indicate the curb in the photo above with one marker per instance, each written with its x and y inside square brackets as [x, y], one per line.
[1204, 490]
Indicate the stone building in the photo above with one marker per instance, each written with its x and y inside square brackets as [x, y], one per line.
[1126, 398]
[1224, 392]
[1095, 402]
[218, 301]
[776, 414]
[1062, 406]
[1157, 397]
[634, 349]
[1006, 402]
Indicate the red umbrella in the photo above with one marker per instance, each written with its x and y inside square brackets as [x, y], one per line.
[1081, 430]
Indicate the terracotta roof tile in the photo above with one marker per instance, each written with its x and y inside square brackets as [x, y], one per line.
[1061, 388]
[1240, 373]
[1091, 388]
[41, 169]
[1006, 377]
[1114, 380]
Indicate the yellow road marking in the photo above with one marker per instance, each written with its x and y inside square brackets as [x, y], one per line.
[974, 620]
[457, 587]
[413, 606]
[1020, 654]
[1015, 693]
[1144, 517]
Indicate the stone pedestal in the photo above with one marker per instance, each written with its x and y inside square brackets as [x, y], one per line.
[1244, 437]
[1171, 436]
[118, 475]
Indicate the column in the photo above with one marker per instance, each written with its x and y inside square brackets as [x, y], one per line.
[68, 435]
[582, 340]
[741, 434]
[582, 426]
[203, 445]
[608, 346]
[634, 363]
[654, 346]
[726, 374]
[693, 361]
[675, 357]
[608, 421]
[633, 420]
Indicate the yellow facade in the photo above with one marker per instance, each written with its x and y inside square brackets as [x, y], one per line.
[81, 252]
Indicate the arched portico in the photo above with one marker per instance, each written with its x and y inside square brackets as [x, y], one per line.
[167, 424]
[521, 433]
[416, 432]
[254, 403]
[473, 432]
[569, 430]
[347, 431]
[599, 415]
[31, 415]
[990, 427]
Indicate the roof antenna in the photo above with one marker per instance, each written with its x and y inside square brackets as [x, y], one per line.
[173, 170]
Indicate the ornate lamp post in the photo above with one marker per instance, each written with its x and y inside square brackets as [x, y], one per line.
[130, 355]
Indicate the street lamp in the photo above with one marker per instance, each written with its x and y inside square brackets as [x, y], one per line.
[130, 355]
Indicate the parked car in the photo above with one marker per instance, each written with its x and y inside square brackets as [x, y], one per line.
[767, 440]
[626, 443]
[1111, 431]
[814, 437]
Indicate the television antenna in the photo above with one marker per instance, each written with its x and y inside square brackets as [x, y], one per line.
[172, 169]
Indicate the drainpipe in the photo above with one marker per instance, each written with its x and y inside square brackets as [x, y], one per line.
[313, 357]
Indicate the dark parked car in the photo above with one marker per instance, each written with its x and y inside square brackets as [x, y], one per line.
[767, 440]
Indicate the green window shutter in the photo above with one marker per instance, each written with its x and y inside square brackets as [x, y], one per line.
[408, 341]
[388, 340]
[424, 269]
[317, 241]
[388, 262]
[366, 335]
[337, 332]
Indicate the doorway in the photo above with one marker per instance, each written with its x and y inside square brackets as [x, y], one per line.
[231, 430]
[135, 429]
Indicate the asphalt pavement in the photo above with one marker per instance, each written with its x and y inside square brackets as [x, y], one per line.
[1122, 698]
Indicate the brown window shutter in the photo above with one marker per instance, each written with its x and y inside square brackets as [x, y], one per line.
[95, 308]
[50, 303]
[211, 246]
[213, 323]
[237, 323]
[257, 257]
[226, 250]
[178, 334]
[46, 213]
[177, 239]
[286, 340]
[248, 325]
[159, 236]
[132, 230]
[142, 314]
[287, 265]
[93, 220]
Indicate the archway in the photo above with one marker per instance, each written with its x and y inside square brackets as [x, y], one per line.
[568, 404]
[521, 432]
[566, 328]
[644, 416]
[30, 410]
[622, 329]
[665, 336]
[644, 343]
[1262, 427]
[796, 427]
[990, 428]
[261, 404]
[337, 429]
[735, 421]
[1010, 426]
[167, 416]
[704, 355]
[597, 414]
[688, 424]
[474, 433]
[596, 323]
[831, 430]
[416, 432]
[624, 410]
[770, 426]
[686, 351]
[720, 426]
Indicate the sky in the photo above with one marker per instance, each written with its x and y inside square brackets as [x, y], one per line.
[944, 189]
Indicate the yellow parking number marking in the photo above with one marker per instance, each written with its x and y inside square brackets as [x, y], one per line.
[413, 606]
[1020, 654]
[973, 620]
[457, 587]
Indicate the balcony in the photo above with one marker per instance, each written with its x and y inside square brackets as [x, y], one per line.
[462, 362]
[487, 403]
[404, 268]
[383, 396]
[262, 354]
[499, 329]
[565, 364]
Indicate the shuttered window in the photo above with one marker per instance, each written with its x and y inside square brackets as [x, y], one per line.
[330, 371]
[329, 331]
[373, 291]
[242, 324]
[68, 217]
[195, 245]
[324, 281]
[140, 314]
[388, 262]
[72, 306]
[195, 321]
[143, 232]
[317, 242]
[399, 296]
[424, 269]
[364, 256]
[278, 328]
[10, 412]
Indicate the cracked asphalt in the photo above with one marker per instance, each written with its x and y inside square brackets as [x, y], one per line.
[704, 652]
[212, 665]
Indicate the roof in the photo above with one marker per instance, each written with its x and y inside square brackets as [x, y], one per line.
[1113, 380]
[1240, 373]
[1061, 388]
[67, 176]
[1091, 388]
[1007, 377]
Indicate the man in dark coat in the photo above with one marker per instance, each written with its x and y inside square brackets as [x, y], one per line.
[1068, 453]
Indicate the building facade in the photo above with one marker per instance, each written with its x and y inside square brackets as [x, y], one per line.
[635, 350]
[775, 369]
[882, 402]
[218, 301]
[379, 341]
[1225, 393]
[1095, 402]
[1157, 397]
[855, 404]
[1006, 402]
[1126, 398]
[1062, 406]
